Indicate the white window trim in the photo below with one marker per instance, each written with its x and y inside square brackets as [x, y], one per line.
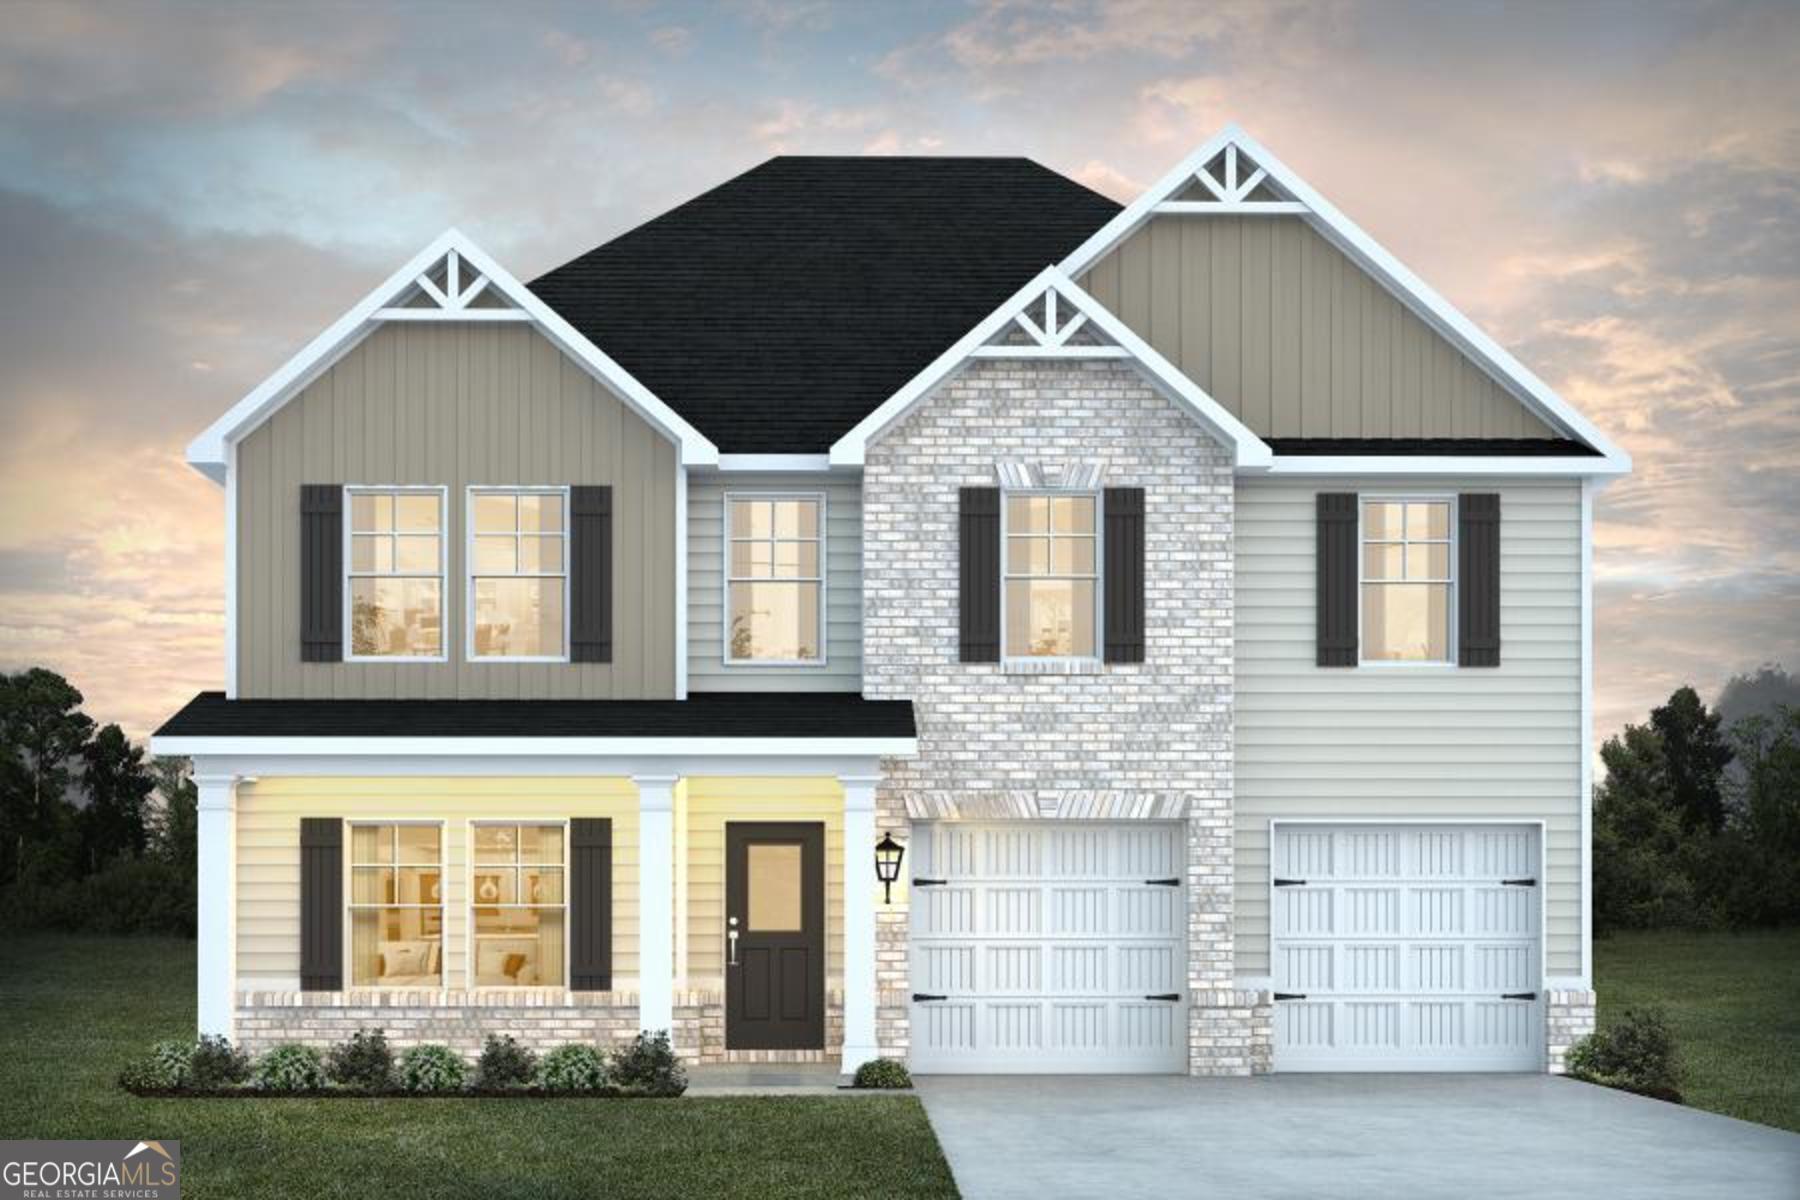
[727, 580]
[350, 905]
[443, 574]
[1451, 661]
[469, 867]
[1074, 660]
[469, 572]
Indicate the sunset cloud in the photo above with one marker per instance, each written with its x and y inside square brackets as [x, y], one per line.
[187, 196]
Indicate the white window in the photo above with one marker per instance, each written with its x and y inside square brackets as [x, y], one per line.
[518, 904]
[395, 563]
[396, 909]
[518, 574]
[1051, 575]
[774, 579]
[1408, 564]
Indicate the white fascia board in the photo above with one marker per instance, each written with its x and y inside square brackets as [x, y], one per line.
[526, 748]
[793, 464]
[208, 451]
[1418, 296]
[1251, 452]
[1436, 464]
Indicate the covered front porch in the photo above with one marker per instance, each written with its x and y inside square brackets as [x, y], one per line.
[737, 903]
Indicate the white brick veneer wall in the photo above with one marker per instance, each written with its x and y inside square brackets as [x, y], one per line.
[1125, 740]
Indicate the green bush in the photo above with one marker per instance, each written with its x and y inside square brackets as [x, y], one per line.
[289, 1068]
[173, 1062]
[649, 1066]
[433, 1069]
[504, 1063]
[215, 1063]
[143, 1074]
[143, 896]
[573, 1067]
[1636, 1053]
[364, 1062]
[882, 1073]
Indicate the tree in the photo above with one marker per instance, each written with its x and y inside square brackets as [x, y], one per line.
[175, 826]
[42, 731]
[118, 785]
[1695, 754]
[1644, 856]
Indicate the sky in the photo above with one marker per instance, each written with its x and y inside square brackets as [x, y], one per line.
[189, 193]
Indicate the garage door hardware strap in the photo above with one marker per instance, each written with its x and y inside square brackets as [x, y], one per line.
[1165, 996]
[1518, 883]
[1518, 995]
[1170, 882]
[1290, 995]
[1290, 883]
[930, 882]
[928, 996]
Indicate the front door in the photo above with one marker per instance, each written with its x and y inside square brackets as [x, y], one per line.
[775, 935]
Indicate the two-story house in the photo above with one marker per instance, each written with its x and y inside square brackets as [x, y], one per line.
[1198, 602]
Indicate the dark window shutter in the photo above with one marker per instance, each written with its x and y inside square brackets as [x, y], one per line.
[1478, 579]
[1336, 583]
[979, 599]
[590, 904]
[590, 574]
[321, 904]
[321, 572]
[1124, 575]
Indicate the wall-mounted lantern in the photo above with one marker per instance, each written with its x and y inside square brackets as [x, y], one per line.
[888, 854]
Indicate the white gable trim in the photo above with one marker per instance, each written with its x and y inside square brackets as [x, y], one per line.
[1363, 250]
[210, 451]
[1038, 309]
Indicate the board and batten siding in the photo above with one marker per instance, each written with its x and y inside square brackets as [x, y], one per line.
[1410, 743]
[1295, 339]
[268, 847]
[453, 406]
[842, 668]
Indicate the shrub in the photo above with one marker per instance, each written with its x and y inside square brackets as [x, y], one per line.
[129, 896]
[215, 1063]
[364, 1061]
[1636, 1053]
[573, 1067]
[432, 1068]
[882, 1073]
[504, 1063]
[143, 1074]
[173, 1062]
[289, 1068]
[649, 1066]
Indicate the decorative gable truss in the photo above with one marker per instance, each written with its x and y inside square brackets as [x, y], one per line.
[1053, 317]
[1230, 182]
[450, 280]
[452, 290]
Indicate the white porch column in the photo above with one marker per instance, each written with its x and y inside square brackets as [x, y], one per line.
[656, 902]
[859, 920]
[216, 936]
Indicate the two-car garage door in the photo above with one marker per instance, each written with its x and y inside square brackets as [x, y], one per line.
[1050, 946]
[1407, 948]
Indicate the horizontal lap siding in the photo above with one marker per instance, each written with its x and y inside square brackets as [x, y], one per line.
[705, 806]
[1293, 337]
[1407, 743]
[452, 406]
[707, 671]
[268, 838]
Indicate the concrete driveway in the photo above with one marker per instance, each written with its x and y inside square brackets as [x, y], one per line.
[1328, 1137]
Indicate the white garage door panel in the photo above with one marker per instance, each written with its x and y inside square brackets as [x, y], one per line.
[1398, 946]
[1046, 941]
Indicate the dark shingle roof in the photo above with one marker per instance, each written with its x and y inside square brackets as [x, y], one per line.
[780, 308]
[706, 714]
[1498, 447]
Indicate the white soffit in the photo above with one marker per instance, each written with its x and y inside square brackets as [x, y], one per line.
[1053, 318]
[452, 280]
[1255, 182]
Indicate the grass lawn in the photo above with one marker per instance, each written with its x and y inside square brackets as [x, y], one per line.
[1732, 1000]
[72, 1010]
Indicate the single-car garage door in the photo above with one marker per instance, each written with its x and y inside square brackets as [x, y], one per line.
[1407, 948]
[1049, 946]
